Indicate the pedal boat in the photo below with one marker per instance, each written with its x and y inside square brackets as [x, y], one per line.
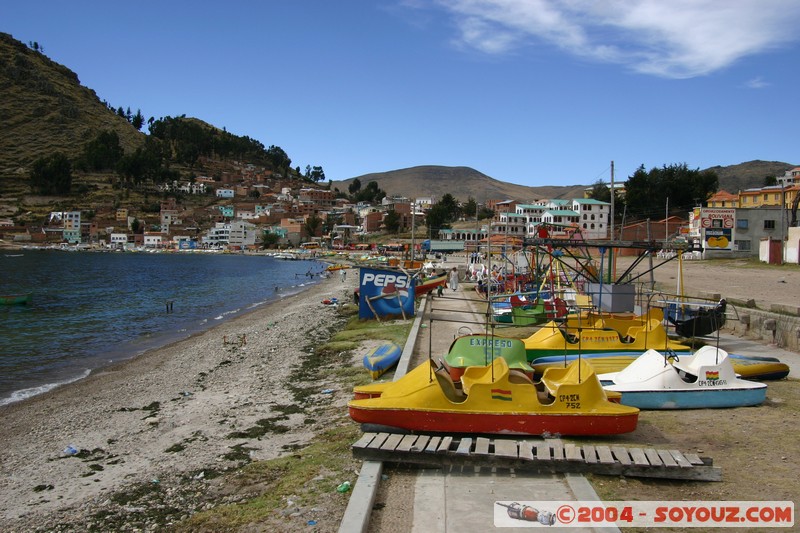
[745, 367]
[705, 379]
[555, 339]
[496, 400]
[480, 350]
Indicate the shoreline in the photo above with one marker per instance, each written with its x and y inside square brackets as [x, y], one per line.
[162, 415]
[96, 359]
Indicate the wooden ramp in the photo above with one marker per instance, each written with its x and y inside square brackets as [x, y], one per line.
[535, 455]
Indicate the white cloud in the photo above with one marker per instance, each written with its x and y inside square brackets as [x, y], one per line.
[669, 38]
[757, 83]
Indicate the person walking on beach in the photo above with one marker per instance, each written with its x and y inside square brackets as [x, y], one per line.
[454, 279]
[344, 275]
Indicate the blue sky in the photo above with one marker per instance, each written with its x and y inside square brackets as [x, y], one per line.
[534, 92]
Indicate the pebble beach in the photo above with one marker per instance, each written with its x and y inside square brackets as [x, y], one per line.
[171, 413]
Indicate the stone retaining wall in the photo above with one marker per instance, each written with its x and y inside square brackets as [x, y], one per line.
[780, 325]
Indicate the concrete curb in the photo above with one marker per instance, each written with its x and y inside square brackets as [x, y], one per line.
[359, 507]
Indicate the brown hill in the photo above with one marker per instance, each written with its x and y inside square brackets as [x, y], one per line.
[461, 182]
[735, 178]
[44, 108]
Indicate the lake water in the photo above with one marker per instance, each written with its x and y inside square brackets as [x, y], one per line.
[91, 309]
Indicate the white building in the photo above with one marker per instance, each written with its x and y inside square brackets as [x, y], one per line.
[217, 237]
[593, 217]
[118, 240]
[153, 240]
[242, 234]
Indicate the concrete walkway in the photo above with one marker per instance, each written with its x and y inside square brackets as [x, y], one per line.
[463, 499]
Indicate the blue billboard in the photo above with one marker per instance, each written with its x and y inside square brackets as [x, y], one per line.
[385, 292]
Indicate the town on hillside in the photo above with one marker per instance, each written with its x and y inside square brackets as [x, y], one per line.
[254, 209]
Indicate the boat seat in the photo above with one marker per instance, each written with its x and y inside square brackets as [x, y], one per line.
[453, 393]
[518, 377]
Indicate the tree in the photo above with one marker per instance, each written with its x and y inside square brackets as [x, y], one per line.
[103, 152]
[451, 207]
[770, 181]
[600, 192]
[354, 186]
[279, 159]
[371, 193]
[437, 218]
[470, 207]
[647, 193]
[312, 226]
[138, 120]
[391, 221]
[52, 175]
[315, 174]
[269, 239]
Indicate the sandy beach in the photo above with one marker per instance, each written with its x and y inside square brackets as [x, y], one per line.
[169, 415]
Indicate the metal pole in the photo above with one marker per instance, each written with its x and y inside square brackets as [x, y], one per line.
[413, 242]
[611, 236]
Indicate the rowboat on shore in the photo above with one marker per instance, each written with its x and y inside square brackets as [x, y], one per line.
[493, 399]
[381, 358]
[696, 319]
[15, 299]
[702, 380]
[426, 285]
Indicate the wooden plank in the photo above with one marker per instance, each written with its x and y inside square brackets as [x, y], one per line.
[433, 444]
[558, 449]
[639, 458]
[444, 445]
[669, 461]
[421, 443]
[604, 454]
[693, 458]
[653, 457]
[392, 441]
[526, 450]
[464, 446]
[542, 451]
[589, 454]
[364, 441]
[622, 455]
[482, 446]
[704, 472]
[378, 441]
[406, 443]
[505, 448]
[572, 452]
[682, 461]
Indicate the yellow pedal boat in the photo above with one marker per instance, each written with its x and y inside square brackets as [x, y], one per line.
[496, 400]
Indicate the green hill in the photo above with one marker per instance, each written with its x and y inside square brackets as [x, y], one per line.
[44, 108]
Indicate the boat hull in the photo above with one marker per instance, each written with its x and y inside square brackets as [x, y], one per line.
[497, 423]
[692, 399]
[15, 299]
[427, 285]
[493, 400]
[751, 368]
[380, 359]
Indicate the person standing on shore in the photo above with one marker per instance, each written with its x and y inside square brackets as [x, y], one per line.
[454, 279]
[344, 274]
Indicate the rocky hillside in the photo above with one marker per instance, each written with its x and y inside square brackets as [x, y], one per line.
[44, 108]
[461, 182]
